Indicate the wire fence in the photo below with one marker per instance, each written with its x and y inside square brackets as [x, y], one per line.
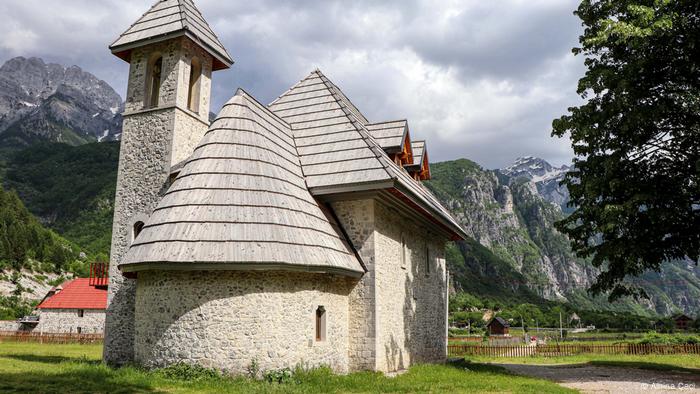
[559, 350]
[26, 336]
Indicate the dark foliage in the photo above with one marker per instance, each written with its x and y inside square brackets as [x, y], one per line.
[22, 238]
[636, 182]
[71, 188]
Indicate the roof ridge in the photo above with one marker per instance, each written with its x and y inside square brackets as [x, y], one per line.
[344, 98]
[183, 16]
[169, 19]
[364, 134]
[387, 121]
[206, 24]
[291, 88]
[291, 131]
[137, 21]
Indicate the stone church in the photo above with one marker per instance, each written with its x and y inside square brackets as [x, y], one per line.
[293, 232]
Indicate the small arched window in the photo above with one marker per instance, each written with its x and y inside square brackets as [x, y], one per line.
[320, 324]
[155, 74]
[194, 86]
[138, 226]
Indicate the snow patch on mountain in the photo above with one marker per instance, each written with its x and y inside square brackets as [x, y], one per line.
[545, 177]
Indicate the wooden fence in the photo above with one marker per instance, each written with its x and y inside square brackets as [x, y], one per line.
[558, 350]
[26, 336]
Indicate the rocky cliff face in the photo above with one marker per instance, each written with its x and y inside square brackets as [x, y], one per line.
[512, 213]
[509, 217]
[50, 102]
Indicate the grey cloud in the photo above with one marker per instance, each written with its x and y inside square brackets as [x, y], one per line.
[481, 80]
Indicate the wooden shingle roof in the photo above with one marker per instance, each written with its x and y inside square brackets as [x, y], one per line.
[390, 135]
[168, 19]
[338, 152]
[241, 202]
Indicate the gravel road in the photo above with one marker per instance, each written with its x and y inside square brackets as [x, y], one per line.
[604, 379]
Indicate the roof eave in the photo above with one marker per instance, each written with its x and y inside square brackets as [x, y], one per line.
[218, 266]
[330, 193]
[221, 61]
[456, 231]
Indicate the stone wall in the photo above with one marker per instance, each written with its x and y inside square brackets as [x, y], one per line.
[411, 292]
[226, 319]
[153, 140]
[9, 325]
[69, 320]
[398, 309]
[357, 219]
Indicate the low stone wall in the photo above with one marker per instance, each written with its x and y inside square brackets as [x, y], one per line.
[227, 319]
[9, 325]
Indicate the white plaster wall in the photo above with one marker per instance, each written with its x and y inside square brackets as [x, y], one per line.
[68, 321]
[226, 319]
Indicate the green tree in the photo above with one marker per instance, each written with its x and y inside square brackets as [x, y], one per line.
[635, 183]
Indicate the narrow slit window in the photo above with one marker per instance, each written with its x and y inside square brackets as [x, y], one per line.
[138, 226]
[427, 261]
[155, 74]
[194, 86]
[81, 312]
[404, 257]
[320, 324]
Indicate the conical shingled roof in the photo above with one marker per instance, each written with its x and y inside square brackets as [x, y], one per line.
[169, 19]
[240, 202]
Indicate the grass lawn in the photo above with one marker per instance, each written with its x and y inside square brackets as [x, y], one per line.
[42, 368]
[683, 362]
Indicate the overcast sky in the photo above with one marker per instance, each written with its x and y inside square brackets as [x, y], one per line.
[478, 79]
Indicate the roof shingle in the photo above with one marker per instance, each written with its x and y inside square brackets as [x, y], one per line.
[169, 19]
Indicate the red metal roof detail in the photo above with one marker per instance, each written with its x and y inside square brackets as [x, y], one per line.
[99, 274]
[77, 294]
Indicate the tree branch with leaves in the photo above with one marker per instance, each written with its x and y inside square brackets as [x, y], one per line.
[635, 184]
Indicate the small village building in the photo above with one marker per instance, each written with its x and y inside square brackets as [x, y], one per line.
[76, 307]
[293, 232]
[498, 327]
[682, 322]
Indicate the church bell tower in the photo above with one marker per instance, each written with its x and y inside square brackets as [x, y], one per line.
[172, 52]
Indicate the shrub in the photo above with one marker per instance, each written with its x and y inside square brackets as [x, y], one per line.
[253, 369]
[280, 376]
[653, 338]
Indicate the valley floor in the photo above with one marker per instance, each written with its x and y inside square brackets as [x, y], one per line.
[41, 368]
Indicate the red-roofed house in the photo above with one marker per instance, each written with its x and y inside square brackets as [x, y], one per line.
[77, 306]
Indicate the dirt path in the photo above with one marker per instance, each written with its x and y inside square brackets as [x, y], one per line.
[602, 379]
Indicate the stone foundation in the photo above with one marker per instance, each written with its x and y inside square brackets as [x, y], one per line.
[227, 319]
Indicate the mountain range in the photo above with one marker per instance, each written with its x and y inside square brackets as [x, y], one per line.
[50, 102]
[57, 125]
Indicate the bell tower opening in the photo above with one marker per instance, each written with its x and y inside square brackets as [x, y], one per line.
[155, 75]
[194, 85]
